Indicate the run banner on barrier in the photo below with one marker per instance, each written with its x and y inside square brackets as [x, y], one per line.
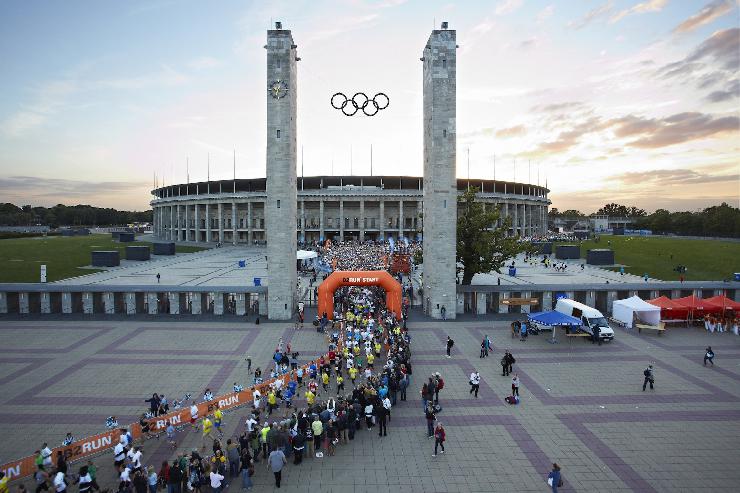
[95, 444]
[76, 451]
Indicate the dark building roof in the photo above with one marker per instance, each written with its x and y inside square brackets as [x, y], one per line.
[325, 182]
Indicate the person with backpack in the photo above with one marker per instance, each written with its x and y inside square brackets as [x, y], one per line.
[708, 356]
[439, 385]
[649, 377]
[554, 480]
[450, 343]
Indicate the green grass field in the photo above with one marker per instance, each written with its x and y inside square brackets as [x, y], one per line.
[706, 260]
[20, 258]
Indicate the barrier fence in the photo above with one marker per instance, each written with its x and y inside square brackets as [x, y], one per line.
[101, 442]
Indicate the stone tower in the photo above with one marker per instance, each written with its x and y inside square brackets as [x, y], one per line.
[440, 184]
[281, 203]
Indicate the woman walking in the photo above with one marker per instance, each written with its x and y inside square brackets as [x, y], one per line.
[439, 439]
[515, 385]
[553, 479]
[246, 469]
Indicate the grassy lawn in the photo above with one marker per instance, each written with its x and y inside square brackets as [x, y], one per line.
[20, 258]
[706, 260]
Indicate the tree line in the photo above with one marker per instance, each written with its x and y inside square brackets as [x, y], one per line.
[62, 215]
[721, 220]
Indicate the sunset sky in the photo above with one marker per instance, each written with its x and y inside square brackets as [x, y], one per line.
[629, 101]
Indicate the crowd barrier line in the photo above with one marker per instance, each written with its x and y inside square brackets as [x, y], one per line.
[102, 442]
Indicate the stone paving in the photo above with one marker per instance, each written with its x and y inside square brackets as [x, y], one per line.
[582, 404]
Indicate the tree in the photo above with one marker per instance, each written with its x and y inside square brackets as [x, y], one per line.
[572, 214]
[482, 245]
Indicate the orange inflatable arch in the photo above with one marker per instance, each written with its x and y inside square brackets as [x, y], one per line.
[360, 278]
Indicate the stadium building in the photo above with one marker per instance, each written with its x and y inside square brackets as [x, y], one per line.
[329, 207]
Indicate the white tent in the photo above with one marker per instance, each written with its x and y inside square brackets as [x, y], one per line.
[306, 254]
[625, 310]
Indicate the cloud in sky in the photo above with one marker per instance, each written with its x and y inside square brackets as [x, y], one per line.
[52, 191]
[668, 177]
[204, 63]
[545, 14]
[508, 6]
[731, 91]
[652, 100]
[641, 8]
[710, 12]
[48, 99]
[511, 131]
[675, 129]
[592, 15]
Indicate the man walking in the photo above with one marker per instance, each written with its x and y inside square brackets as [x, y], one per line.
[450, 343]
[597, 335]
[430, 417]
[649, 377]
[474, 382]
[276, 461]
[709, 356]
[382, 416]
[515, 385]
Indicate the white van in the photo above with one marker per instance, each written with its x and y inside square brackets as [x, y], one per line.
[590, 317]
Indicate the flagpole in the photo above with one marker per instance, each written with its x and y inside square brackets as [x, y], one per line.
[371, 160]
[235, 170]
[187, 169]
[208, 175]
[468, 167]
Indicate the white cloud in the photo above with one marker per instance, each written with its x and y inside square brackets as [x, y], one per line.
[545, 14]
[50, 98]
[343, 26]
[640, 8]
[508, 6]
[203, 63]
[592, 15]
[166, 77]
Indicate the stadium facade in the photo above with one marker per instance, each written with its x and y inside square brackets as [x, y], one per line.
[329, 207]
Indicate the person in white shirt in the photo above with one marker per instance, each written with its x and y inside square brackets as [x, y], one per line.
[134, 455]
[119, 454]
[474, 383]
[59, 484]
[251, 423]
[257, 396]
[515, 385]
[46, 454]
[216, 479]
[194, 416]
[125, 478]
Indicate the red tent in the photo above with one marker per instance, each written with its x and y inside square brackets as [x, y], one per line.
[669, 309]
[723, 302]
[697, 307]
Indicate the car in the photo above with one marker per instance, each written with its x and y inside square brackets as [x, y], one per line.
[590, 317]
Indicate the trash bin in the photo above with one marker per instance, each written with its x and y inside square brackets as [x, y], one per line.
[512, 271]
[242, 263]
[737, 276]
[258, 281]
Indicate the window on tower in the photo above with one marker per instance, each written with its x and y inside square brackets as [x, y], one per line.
[278, 133]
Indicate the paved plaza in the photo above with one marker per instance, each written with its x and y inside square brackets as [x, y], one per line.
[215, 266]
[582, 405]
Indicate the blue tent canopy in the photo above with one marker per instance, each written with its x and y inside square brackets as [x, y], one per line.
[554, 318]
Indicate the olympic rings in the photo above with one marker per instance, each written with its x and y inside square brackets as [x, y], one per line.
[360, 101]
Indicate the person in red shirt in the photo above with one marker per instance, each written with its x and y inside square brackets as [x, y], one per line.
[439, 438]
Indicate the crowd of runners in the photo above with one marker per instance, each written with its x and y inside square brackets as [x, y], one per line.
[352, 255]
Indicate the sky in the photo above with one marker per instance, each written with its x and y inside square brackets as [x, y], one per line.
[628, 101]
